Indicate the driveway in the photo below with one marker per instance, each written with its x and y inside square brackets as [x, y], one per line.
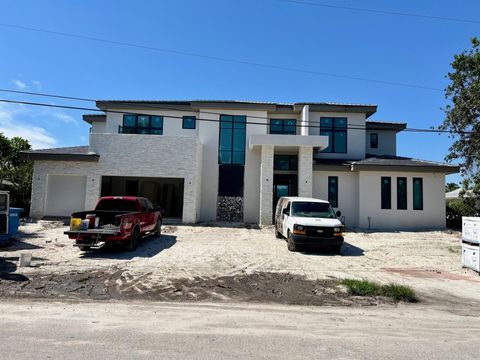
[427, 261]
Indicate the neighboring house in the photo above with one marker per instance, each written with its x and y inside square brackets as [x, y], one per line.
[455, 194]
[231, 161]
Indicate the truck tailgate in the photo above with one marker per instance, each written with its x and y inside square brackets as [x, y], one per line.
[92, 232]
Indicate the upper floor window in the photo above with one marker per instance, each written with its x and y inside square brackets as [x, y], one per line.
[285, 162]
[283, 126]
[336, 130]
[189, 122]
[374, 141]
[231, 145]
[142, 124]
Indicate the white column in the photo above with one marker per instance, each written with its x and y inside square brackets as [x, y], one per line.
[305, 120]
[266, 185]
[92, 191]
[305, 171]
[39, 189]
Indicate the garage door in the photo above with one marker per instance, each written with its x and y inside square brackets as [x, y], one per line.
[65, 195]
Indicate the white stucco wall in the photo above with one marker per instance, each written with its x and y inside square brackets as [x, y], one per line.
[347, 196]
[130, 155]
[431, 217]
[98, 127]
[387, 142]
[355, 138]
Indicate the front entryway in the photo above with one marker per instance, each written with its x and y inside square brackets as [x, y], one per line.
[284, 185]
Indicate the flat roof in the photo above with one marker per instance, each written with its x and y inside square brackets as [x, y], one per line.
[368, 109]
[74, 153]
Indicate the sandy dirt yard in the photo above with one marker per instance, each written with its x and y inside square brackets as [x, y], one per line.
[184, 256]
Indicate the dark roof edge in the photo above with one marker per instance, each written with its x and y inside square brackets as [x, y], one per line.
[447, 169]
[32, 156]
[90, 118]
[383, 125]
[266, 106]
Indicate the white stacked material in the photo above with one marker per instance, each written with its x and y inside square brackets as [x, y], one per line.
[471, 256]
[471, 229]
[471, 243]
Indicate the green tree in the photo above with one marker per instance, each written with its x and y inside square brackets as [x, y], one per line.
[15, 173]
[451, 186]
[462, 117]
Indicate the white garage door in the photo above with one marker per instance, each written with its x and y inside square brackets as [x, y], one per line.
[65, 195]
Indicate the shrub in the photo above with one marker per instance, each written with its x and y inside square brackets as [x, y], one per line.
[368, 288]
[456, 208]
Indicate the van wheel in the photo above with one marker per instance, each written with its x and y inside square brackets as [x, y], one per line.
[290, 244]
[134, 238]
[337, 249]
[278, 235]
[85, 248]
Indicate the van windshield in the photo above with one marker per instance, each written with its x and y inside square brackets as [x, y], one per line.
[312, 209]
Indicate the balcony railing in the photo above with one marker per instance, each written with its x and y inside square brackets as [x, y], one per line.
[139, 130]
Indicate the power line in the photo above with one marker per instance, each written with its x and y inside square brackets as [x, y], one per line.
[351, 127]
[222, 59]
[381, 12]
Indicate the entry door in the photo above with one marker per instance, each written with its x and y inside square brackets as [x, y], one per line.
[284, 185]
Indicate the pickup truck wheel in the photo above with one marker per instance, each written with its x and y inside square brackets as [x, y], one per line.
[290, 244]
[158, 229]
[134, 238]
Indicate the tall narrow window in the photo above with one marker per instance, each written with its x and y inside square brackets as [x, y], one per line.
[283, 126]
[333, 190]
[402, 193]
[386, 183]
[417, 194]
[189, 122]
[374, 141]
[336, 130]
[231, 146]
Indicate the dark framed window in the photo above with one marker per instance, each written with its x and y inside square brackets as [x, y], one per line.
[386, 189]
[336, 130]
[231, 145]
[283, 126]
[189, 122]
[374, 140]
[142, 124]
[333, 191]
[417, 194]
[285, 162]
[401, 193]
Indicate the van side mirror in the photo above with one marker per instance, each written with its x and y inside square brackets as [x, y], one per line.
[338, 213]
[285, 211]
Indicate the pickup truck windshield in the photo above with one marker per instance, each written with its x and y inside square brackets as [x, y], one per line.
[117, 205]
[312, 209]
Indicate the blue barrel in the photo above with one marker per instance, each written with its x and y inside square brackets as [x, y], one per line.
[14, 220]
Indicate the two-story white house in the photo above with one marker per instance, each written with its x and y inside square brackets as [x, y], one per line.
[232, 160]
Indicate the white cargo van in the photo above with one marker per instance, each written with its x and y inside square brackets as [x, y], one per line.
[308, 222]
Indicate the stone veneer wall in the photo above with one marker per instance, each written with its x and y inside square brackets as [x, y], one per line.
[230, 208]
[129, 155]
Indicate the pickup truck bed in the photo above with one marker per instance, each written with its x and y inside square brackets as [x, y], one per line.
[121, 220]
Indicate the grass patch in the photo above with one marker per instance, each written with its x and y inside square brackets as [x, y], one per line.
[369, 288]
[455, 249]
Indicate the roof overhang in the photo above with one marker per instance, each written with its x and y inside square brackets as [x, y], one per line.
[368, 110]
[32, 156]
[288, 141]
[90, 118]
[445, 169]
[383, 125]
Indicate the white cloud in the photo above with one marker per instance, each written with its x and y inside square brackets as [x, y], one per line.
[11, 126]
[19, 84]
[67, 119]
[37, 84]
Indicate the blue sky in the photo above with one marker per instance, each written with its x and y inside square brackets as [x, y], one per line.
[344, 42]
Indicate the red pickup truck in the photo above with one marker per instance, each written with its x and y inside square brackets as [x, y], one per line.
[115, 220]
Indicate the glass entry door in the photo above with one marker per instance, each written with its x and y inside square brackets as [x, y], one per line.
[284, 185]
